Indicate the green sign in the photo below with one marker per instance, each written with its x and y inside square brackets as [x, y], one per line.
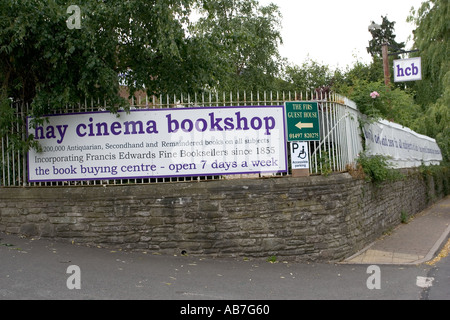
[302, 121]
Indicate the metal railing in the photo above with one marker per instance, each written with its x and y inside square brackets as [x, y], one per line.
[340, 142]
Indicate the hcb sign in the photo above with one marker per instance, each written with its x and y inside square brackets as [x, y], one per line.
[408, 69]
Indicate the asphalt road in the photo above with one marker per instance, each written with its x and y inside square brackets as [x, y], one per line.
[40, 269]
[440, 275]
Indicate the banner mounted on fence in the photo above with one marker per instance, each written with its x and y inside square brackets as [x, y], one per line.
[159, 143]
[406, 148]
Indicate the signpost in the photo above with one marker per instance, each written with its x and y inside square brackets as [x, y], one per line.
[300, 158]
[302, 121]
[302, 125]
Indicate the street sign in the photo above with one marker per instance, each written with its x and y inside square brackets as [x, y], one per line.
[302, 121]
[299, 155]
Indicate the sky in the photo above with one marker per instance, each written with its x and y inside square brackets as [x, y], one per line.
[335, 32]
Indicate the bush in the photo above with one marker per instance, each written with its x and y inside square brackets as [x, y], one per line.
[441, 176]
[377, 169]
[392, 104]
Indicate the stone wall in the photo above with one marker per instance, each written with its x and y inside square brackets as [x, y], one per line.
[307, 219]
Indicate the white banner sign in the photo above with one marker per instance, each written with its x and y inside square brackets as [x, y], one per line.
[408, 69]
[406, 148]
[159, 143]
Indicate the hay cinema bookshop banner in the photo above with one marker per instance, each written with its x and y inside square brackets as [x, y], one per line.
[159, 143]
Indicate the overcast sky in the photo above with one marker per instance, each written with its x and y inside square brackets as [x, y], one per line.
[332, 32]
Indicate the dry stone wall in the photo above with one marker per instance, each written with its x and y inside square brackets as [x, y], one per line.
[307, 219]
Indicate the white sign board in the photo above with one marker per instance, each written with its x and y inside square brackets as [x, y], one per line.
[299, 155]
[406, 148]
[159, 143]
[408, 69]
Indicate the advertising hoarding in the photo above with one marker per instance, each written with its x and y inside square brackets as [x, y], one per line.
[155, 143]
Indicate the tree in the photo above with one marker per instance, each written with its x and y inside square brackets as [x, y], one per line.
[431, 38]
[383, 34]
[140, 43]
[436, 121]
[46, 62]
[243, 39]
[310, 75]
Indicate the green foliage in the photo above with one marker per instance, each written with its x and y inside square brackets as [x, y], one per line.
[309, 75]
[145, 45]
[142, 44]
[6, 117]
[47, 63]
[324, 163]
[360, 71]
[435, 122]
[393, 104]
[385, 34]
[242, 41]
[404, 217]
[431, 38]
[377, 169]
[440, 175]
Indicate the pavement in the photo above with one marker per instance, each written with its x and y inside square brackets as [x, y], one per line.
[418, 241]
